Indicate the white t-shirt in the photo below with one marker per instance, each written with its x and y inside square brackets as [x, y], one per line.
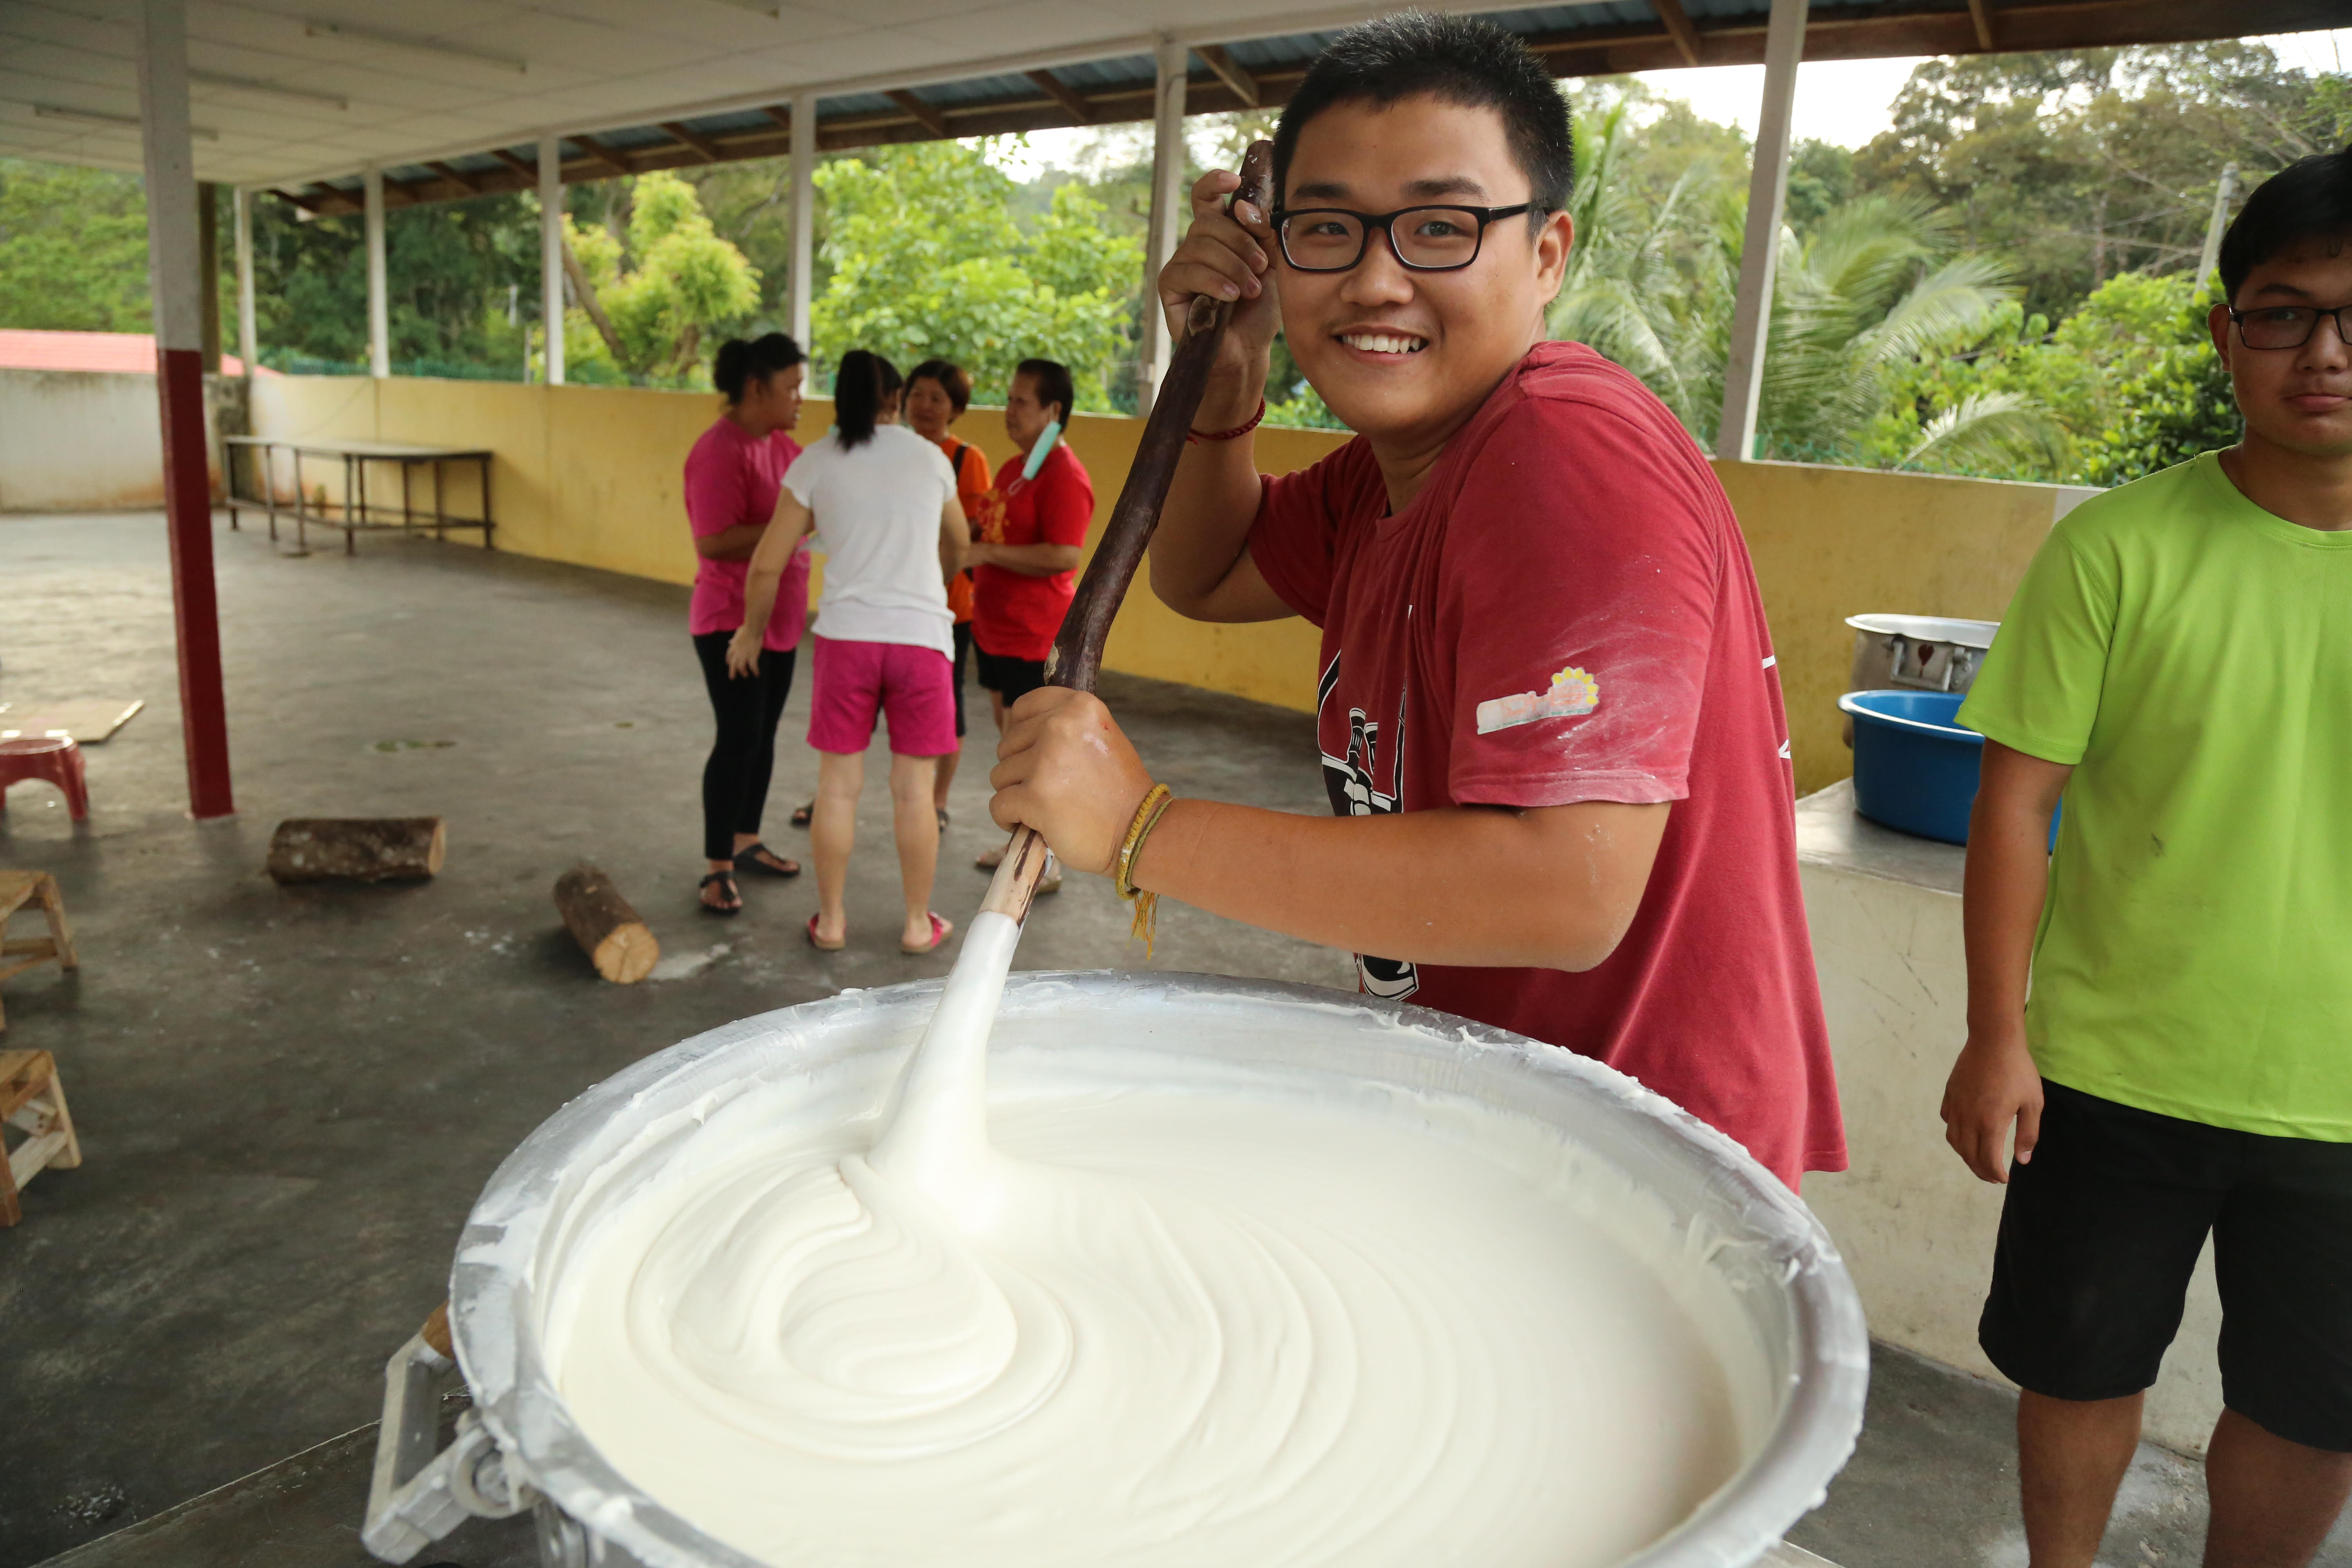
[878, 507]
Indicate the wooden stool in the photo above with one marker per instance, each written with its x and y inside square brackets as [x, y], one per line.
[32, 1099]
[17, 888]
[52, 757]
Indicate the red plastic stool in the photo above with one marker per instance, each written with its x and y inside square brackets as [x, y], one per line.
[52, 757]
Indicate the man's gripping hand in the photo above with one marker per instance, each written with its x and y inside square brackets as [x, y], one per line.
[1993, 1084]
[1065, 770]
[1226, 255]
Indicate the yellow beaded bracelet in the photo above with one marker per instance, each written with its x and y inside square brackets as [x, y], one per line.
[1146, 904]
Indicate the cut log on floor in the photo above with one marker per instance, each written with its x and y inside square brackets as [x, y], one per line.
[356, 849]
[622, 946]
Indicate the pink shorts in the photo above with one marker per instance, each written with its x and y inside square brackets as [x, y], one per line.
[911, 687]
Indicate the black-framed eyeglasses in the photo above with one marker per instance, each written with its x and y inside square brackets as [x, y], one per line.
[2286, 326]
[1438, 239]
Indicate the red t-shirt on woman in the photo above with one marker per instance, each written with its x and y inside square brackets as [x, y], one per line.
[732, 477]
[1565, 612]
[1015, 616]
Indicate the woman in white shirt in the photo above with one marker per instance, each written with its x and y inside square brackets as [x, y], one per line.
[882, 502]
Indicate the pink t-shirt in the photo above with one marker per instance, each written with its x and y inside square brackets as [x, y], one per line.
[732, 477]
[1565, 612]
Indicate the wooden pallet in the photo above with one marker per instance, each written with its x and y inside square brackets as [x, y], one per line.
[18, 888]
[32, 1101]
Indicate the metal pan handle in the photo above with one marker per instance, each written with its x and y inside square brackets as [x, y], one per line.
[416, 1495]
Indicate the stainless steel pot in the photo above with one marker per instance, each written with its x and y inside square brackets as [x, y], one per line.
[1925, 653]
[519, 1447]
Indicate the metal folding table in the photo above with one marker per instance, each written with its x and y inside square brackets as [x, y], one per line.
[357, 512]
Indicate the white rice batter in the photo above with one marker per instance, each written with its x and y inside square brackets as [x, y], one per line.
[1106, 1327]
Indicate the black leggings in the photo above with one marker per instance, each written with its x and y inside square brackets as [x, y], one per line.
[735, 779]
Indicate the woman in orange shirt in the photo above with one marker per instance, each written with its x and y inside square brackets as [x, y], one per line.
[937, 395]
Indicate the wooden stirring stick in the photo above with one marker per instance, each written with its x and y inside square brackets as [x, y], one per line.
[1076, 656]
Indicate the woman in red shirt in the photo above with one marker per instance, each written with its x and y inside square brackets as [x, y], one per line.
[938, 393]
[731, 480]
[1025, 567]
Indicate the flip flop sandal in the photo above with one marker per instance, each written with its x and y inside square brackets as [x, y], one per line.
[727, 882]
[943, 817]
[748, 859]
[941, 930]
[801, 814]
[820, 944]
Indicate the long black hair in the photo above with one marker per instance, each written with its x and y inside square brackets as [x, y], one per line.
[740, 363]
[857, 395]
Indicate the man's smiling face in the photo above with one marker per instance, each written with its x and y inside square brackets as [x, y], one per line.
[1400, 356]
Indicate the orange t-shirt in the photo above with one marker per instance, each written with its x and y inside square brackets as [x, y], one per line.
[976, 493]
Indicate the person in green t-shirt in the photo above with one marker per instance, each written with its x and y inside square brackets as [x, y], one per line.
[2178, 663]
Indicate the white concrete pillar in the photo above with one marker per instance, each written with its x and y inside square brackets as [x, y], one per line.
[551, 252]
[379, 305]
[248, 331]
[1169, 205]
[1759, 252]
[803, 217]
[176, 282]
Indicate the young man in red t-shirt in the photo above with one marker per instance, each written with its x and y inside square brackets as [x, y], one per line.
[1549, 717]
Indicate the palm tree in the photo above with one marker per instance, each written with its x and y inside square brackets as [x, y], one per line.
[1878, 284]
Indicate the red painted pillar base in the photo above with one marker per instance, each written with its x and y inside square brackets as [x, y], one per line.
[188, 510]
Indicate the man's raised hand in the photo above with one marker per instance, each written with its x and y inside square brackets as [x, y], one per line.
[1226, 255]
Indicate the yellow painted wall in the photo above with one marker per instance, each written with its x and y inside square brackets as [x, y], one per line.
[590, 474]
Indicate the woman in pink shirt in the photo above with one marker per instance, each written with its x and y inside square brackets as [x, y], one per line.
[731, 480]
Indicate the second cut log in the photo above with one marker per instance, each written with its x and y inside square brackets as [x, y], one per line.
[621, 945]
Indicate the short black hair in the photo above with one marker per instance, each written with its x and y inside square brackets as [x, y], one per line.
[740, 362]
[1054, 384]
[951, 377]
[2311, 198]
[1464, 60]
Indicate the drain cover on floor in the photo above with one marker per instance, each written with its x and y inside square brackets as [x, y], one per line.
[409, 745]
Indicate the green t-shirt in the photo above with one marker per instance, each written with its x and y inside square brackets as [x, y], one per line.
[2191, 655]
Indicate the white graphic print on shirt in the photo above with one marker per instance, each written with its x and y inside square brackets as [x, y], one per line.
[1352, 782]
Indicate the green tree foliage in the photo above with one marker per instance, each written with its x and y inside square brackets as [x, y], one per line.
[1876, 284]
[2081, 165]
[2175, 404]
[73, 249]
[674, 286]
[462, 282]
[928, 260]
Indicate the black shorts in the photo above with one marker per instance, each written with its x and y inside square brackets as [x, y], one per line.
[2099, 1235]
[962, 657]
[1012, 679]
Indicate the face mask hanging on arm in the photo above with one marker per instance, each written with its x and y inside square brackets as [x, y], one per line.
[1044, 448]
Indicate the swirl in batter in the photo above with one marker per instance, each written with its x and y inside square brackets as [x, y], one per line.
[1081, 1323]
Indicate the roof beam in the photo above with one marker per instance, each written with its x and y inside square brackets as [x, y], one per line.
[1872, 29]
[927, 115]
[699, 143]
[1230, 72]
[308, 200]
[603, 154]
[456, 176]
[1063, 93]
[1980, 13]
[1686, 35]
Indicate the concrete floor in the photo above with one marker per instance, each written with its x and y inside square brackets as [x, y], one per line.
[289, 1097]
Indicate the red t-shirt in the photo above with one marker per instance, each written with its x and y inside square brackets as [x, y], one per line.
[732, 478]
[1565, 612]
[1015, 616]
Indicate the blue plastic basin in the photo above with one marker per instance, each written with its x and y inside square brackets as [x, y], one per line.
[1915, 767]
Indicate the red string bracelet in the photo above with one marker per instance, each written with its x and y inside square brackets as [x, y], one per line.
[1196, 436]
